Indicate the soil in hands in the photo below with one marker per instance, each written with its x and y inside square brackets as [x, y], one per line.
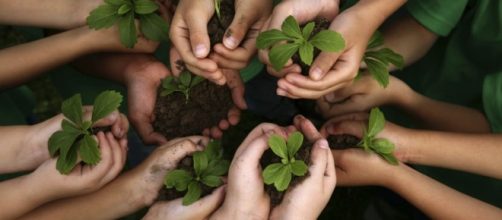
[320, 24]
[342, 142]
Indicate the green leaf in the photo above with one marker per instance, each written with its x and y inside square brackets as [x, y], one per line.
[307, 30]
[116, 2]
[60, 140]
[214, 150]
[376, 122]
[123, 9]
[185, 78]
[196, 80]
[217, 7]
[271, 173]
[390, 158]
[212, 181]
[199, 162]
[295, 141]
[291, 28]
[69, 127]
[144, 7]
[280, 54]
[178, 179]
[103, 16]
[72, 109]
[375, 41]
[386, 56]
[167, 81]
[278, 146]
[379, 71]
[86, 125]
[307, 53]
[154, 27]
[167, 92]
[105, 103]
[269, 38]
[283, 178]
[89, 151]
[217, 168]
[299, 168]
[67, 160]
[382, 146]
[193, 193]
[127, 30]
[328, 41]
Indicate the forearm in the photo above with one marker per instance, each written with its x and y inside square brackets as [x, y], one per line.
[58, 14]
[374, 13]
[437, 200]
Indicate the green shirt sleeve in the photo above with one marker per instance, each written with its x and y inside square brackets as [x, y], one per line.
[439, 16]
[492, 101]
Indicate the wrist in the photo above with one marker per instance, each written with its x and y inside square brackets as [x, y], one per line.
[82, 9]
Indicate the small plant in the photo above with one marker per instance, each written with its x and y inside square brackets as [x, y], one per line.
[280, 174]
[76, 137]
[381, 146]
[378, 60]
[184, 83]
[297, 40]
[217, 7]
[208, 166]
[152, 26]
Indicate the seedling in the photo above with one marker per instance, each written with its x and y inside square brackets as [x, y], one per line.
[184, 83]
[381, 146]
[76, 137]
[378, 60]
[152, 26]
[208, 165]
[217, 7]
[290, 39]
[280, 174]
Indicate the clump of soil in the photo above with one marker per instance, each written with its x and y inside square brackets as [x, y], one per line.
[218, 26]
[341, 142]
[320, 24]
[269, 157]
[96, 130]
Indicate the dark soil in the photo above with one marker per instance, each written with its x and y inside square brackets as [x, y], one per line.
[269, 157]
[103, 129]
[341, 142]
[217, 26]
[320, 24]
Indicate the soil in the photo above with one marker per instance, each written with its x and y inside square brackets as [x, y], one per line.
[341, 142]
[103, 129]
[320, 24]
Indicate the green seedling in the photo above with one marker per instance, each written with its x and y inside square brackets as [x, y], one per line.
[381, 146]
[124, 12]
[378, 59]
[209, 167]
[291, 39]
[184, 83]
[280, 174]
[217, 7]
[76, 137]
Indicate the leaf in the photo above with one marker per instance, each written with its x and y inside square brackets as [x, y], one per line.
[61, 140]
[185, 78]
[67, 161]
[116, 2]
[376, 122]
[217, 7]
[307, 53]
[72, 109]
[88, 150]
[269, 38]
[127, 30]
[376, 40]
[280, 54]
[386, 56]
[154, 27]
[270, 173]
[382, 146]
[390, 158]
[167, 92]
[283, 178]
[144, 7]
[291, 28]
[196, 80]
[103, 16]
[86, 125]
[379, 71]
[328, 41]
[69, 127]
[123, 9]
[178, 179]
[299, 168]
[199, 162]
[278, 146]
[307, 30]
[295, 141]
[193, 193]
[212, 181]
[105, 103]
[214, 150]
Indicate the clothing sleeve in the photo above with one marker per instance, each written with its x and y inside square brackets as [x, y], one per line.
[439, 16]
[492, 101]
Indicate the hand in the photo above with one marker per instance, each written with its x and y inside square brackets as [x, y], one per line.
[307, 199]
[189, 36]
[83, 178]
[174, 209]
[362, 95]
[108, 40]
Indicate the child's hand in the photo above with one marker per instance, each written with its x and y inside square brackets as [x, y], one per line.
[174, 209]
[108, 40]
[83, 178]
[362, 95]
[307, 199]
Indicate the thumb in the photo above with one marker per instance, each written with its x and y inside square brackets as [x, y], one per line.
[209, 203]
[236, 31]
[319, 159]
[199, 37]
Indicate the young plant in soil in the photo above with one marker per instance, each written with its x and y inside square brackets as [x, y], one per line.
[201, 178]
[183, 84]
[123, 12]
[76, 137]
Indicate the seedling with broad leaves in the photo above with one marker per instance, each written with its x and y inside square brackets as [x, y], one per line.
[183, 84]
[381, 146]
[280, 174]
[76, 137]
[291, 39]
[208, 168]
[124, 12]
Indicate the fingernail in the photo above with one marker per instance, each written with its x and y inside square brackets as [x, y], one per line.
[316, 73]
[230, 42]
[200, 51]
[323, 143]
[281, 92]
[330, 97]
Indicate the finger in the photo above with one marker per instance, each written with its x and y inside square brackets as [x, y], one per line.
[259, 130]
[227, 63]
[237, 30]
[145, 129]
[239, 54]
[234, 116]
[107, 156]
[180, 150]
[177, 64]
[307, 128]
[108, 120]
[249, 159]
[237, 88]
[118, 154]
[319, 159]
[208, 204]
[120, 128]
[199, 38]
[213, 76]
[322, 64]
[330, 174]
[224, 125]
[216, 133]
[350, 106]
[198, 140]
[307, 93]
